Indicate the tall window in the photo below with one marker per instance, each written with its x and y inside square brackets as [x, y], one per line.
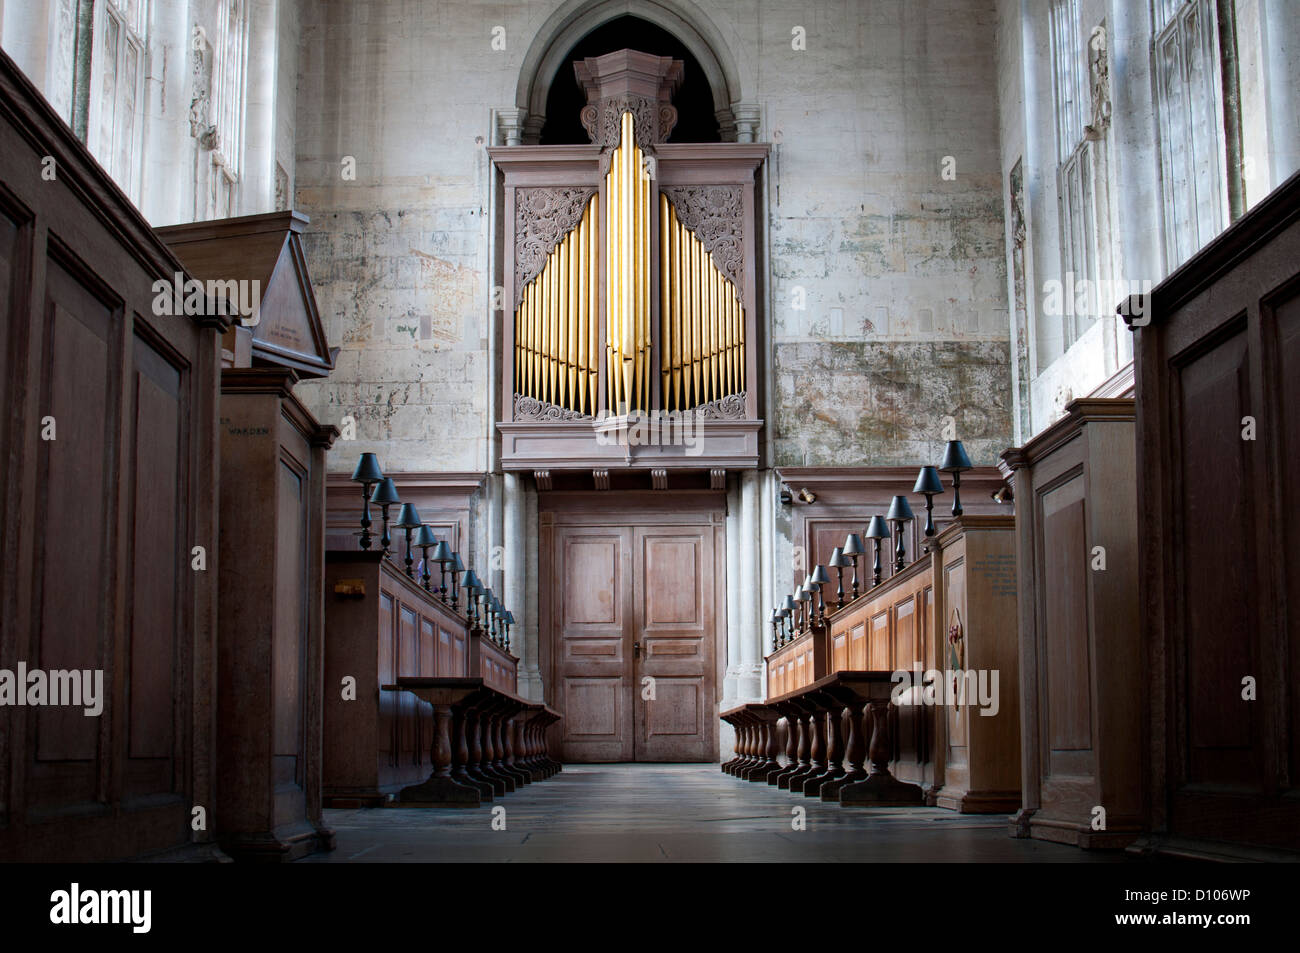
[116, 127]
[229, 68]
[1190, 124]
[1080, 166]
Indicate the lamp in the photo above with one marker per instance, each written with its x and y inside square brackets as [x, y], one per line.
[442, 556]
[385, 495]
[929, 484]
[469, 582]
[509, 621]
[818, 578]
[784, 613]
[839, 561]
[776, 627]
[424, 538]
[955, 461]
[408, 518]
[803, 596]
[367, 474]
[853, 548]
[455, 568]
[876, 531]
[791, 607]
[900, 513]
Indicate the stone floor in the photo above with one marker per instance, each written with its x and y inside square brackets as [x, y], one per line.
[681, 813]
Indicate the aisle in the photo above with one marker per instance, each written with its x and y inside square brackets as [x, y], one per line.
[645, 812]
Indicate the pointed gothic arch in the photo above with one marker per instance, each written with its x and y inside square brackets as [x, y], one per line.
[576, 18]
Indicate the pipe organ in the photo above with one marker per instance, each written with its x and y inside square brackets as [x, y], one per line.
[556, 323]
[631, 296]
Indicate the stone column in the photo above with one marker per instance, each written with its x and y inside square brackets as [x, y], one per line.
[516, 566]
[748, 685]
[731, 681]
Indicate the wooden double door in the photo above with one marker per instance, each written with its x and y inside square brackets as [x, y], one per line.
[632, 607]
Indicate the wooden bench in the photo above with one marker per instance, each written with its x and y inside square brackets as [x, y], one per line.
[825, 750]
[421, 671]
[827, 683]
[486, 742]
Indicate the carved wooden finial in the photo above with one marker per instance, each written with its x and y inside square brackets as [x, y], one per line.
[628, 81]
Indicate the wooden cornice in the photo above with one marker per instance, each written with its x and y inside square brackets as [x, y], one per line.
[1230, 248]
[1077, 413]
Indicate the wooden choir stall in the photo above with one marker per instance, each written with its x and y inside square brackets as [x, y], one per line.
[897, 691]
[421, 703]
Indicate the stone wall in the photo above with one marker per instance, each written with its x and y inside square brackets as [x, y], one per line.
[870, 244]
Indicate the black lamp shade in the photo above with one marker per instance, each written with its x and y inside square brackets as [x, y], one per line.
[441, 551]
[838, 559]
[424, 537]
[456, 564]
[510, 617]
[804, 595]
[853, 545]
[819, 577]
[791, 604]
[878, 529]
[408, 517]
[899, 510]
[385, 493]
[469, 580]
[367, 470]
[955, 459]
[784, 610]
[776, 617]
[928, 482]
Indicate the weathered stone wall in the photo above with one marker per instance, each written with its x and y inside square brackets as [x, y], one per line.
[866, 233]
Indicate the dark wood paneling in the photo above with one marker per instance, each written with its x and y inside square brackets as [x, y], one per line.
[100, 518]
[1218, 537]
[1212, 399]
[1065, 595]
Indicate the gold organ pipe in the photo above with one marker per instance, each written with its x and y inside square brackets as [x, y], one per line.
[556, 324]
[703, 321]
[665, 311]
[593, 306]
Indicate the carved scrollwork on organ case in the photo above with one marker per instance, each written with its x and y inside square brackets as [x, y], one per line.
[543, 216]
[652, 121]
[716, 215]
[530, 408]
[731, 407]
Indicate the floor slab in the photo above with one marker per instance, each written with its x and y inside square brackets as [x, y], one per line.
[676, 813]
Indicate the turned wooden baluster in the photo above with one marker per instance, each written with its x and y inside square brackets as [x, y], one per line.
[758, 743]
[801, 752]
[834, 752]
[855, 751]
[791, 750]
[474, 766]
[816, 752]
[441, 741]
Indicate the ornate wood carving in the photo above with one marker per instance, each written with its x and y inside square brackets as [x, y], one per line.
[530, 408]
[716, 215]
[731, 407]
[543, 216]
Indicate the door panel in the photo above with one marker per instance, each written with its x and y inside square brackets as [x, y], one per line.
[675, 628]
[633, 622]
[593, 629]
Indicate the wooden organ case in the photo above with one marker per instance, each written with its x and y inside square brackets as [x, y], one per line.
[630, 290]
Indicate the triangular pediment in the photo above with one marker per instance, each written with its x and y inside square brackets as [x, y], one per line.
[266, 249]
